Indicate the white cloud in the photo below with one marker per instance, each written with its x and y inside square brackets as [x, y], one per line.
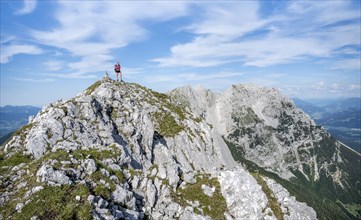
[8, 51]
[92, 30]
[235, 32]
[29, 6]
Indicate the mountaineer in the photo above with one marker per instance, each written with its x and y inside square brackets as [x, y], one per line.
[118, 71]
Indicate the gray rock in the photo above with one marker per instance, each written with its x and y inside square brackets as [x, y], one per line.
[189, 177]
[151, 193]
[90, 198]
[50, 176]
[124, 197]
[244, 197]
[190, 215]
[37, 189]
[19, 206]
[130, 214]
[21, 185]
[208, 190]
[89, 166]
[31, 118]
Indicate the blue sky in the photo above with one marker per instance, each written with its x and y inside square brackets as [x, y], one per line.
[53, 50]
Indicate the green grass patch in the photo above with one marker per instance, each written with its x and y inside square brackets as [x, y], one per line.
[114, 114]
[214, 206]
[97, 154]
[14, 160]
[135, 172]
[103, 191]
[166, 124]
[91, 88]
[57, 155]
[166, 102]
[58, 203]
[198, 119]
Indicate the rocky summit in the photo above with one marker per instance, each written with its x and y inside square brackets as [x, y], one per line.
[122, 151]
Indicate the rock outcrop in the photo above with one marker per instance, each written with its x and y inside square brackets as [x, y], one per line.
[121, 151]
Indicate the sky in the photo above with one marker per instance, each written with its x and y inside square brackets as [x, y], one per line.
[53, 50]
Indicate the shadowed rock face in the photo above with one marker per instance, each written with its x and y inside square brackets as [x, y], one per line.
[119, 150]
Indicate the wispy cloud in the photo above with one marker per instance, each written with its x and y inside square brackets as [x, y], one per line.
[132, 71]
[32, 79]
[252, 40]
[333, 87]
[29, 6]
[54, 65]
[8, 51]
[6, 38]
[70, 75]
[190, 77]
[347, 64]
[355, 87]
[93, 30]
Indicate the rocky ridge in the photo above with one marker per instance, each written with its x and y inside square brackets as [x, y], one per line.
[121, 151]
[266, 131]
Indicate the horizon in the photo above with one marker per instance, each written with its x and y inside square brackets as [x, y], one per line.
[309, 50]
[320, 102]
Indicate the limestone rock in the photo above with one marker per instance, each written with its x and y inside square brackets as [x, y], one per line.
[245, 198]
[208, 190]
[89, 166]
[50, 176]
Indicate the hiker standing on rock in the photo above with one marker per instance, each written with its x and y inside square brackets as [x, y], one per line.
[118, 71]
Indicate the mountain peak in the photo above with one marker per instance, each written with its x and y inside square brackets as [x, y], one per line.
[120, 150]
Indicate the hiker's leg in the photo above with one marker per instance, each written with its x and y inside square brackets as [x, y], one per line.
[117, 76]
[121, 76]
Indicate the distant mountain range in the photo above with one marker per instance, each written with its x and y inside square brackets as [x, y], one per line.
[342, 118]
[13, 117]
